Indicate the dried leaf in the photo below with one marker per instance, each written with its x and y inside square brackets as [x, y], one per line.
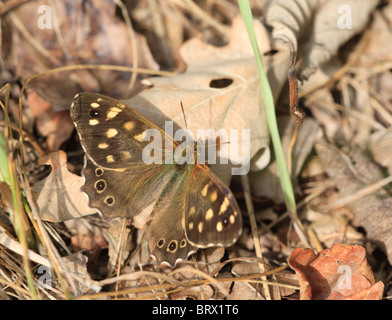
[341, 272]
[6, 196]
[244, 291]
[323, 26]
[74, 264]
[321, 105]
[85, 236]
[381, 145]
[114, 235]
[57, 127]
[330, 228]
[266, 182]
[58, 196]
[332, 28]
[351, 173]
[219, 89]
[380, 43]
[76, 36]
[194, 293]
[77, 264]
[211, 257]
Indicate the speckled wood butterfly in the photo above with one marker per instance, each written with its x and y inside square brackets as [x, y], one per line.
[192, 207]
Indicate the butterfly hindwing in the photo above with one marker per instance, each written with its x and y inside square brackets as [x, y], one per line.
[212, 216]
[123, 194]
[166, 234]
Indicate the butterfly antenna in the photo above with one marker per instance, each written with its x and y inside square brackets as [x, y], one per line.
[183, 114]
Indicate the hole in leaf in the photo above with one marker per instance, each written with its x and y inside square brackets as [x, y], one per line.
[220, 83]
[271, 52]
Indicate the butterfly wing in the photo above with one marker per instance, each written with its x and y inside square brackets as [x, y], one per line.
[166, 234]
[112, 134]
[126, 193]
[194, 208]
[212, 216]
[117, 180]
[198, 211]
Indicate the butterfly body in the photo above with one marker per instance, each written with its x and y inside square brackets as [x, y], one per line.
[192, 208]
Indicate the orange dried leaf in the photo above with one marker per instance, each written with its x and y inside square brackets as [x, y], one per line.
[341, 272]
[57, 127]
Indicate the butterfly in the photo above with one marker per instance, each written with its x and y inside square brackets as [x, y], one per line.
[192, 207]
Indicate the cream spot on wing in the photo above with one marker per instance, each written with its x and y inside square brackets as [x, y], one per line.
[192, 211]
[190, 225]
[200, 227]
[214, 196]
[103, 145]
[209, 214]
[219, 226]
[95, 105]
[109, 159]
[93, 122]
[110, 133]
[114, 111]
[125, 155]
[205, 190]
[232, 219]
[224, 205]
[139, 137]
[129, 125]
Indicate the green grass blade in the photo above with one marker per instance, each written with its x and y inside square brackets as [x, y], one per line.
[285, 179]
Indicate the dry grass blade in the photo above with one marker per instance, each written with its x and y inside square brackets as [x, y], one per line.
[248, 199]
[193, 8]
[359, 194]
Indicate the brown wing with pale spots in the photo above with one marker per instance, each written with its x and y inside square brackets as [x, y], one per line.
[111, 132]
[118, 182]
[166, 235]
[124, 194]
[212, 216]
[195, 209]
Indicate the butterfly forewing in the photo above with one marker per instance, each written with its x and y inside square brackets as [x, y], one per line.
[112, 134]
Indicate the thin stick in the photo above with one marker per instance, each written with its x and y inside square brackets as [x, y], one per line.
[183, 113]
[253, 225]
[132, 37]
[121, 249]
